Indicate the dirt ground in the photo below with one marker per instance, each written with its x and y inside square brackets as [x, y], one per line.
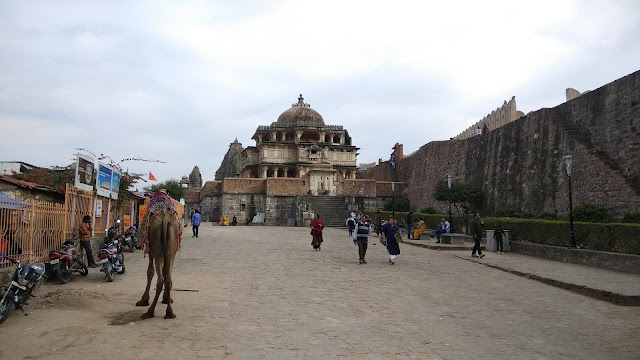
[263, 293]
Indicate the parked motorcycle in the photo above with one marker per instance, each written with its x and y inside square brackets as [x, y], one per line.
[24, 283]
[131, 237]
[66, 261]
[111, 258]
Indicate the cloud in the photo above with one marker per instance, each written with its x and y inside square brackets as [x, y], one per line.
[180, 81]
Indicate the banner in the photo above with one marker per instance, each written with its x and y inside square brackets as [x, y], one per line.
[108, 182]
[143, 211]
[126, 219]
[85, 171]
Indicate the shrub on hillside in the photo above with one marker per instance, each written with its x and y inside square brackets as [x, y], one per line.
[399, 204]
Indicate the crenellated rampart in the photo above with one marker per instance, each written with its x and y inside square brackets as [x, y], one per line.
[499, 117]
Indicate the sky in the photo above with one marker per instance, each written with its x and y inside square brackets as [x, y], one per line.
[178, 81]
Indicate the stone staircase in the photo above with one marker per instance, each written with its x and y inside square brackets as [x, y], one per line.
[333, 210]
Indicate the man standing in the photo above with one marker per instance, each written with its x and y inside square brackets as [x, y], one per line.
[445, 227]
[361, 237]
[476, 231]
[85, 230]
[195, 222]
[409, 225]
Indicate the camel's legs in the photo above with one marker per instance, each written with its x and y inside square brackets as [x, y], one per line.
[168, 283]
[159, 270]
[145, 297]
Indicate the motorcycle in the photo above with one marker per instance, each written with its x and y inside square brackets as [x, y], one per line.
[131, 235]
[24, 283]
[111, 258]
[65, 261]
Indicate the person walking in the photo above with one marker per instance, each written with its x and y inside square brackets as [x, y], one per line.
[85, 230]
[351, 224]
[195, 222]
[498, 233]
[361, 237]
[445, 227]
[378, 223]
[389, 231]
[476, 231]
[316, 232]
[409, 223]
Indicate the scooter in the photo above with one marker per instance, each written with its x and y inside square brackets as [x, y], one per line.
[66, 261]
[24, 283]
[111, 258]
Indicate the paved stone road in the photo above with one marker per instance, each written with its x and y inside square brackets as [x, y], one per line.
[264, 293]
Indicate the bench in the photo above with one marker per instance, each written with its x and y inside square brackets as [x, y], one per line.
[450, 238]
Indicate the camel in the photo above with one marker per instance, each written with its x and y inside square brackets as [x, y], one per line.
[164, 234]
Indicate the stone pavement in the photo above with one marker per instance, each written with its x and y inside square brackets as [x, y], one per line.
[261, 292]
[613, 286]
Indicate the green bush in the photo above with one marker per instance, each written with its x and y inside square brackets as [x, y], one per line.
[632, 217]
[429, 210]
[399, 203]
[612, 237]
[502, 213]
[591, 213]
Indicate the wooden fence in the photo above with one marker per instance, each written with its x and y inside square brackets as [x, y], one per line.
[30, 229]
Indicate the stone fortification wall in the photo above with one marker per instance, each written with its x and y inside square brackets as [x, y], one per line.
[385, 189]
[520, 166]
[498, 117]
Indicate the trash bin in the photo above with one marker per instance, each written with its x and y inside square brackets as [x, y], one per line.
[492, 245]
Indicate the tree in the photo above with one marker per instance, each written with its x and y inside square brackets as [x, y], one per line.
[464, 197]
[56, 177]
[400, 203]
[173, 187]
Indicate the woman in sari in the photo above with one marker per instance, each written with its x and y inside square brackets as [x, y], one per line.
[419, 230]
[389, 231]
[316, 232]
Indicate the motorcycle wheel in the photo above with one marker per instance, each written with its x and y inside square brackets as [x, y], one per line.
[121, 271]
[130, 245]
[108, 270]
[84, 270]
[63, 274]
[6, 305]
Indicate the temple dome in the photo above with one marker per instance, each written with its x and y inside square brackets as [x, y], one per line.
[300, 114]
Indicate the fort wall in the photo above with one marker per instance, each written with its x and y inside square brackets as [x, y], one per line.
[520, 166]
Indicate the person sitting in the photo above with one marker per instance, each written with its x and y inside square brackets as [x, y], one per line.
[420, 228]
[234, 221]
[445, 227]
[226, 221]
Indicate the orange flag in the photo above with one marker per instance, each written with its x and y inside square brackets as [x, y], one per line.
[151, 177]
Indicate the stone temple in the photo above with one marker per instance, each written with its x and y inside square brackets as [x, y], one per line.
[298, 166]
[299, 144]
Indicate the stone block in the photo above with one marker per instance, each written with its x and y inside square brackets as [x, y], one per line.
[457, 239]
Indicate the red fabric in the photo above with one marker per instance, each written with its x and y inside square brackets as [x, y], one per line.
[316, 227]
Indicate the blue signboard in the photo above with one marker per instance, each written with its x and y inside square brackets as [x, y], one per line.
[115, 184]
[108, 182]
[103, 185]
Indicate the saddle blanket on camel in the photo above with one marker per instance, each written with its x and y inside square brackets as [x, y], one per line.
[160, 202]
